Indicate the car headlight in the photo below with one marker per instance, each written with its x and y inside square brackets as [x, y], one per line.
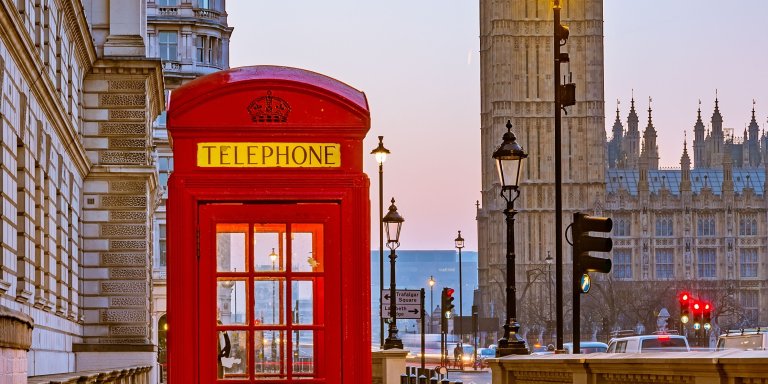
[465, 358]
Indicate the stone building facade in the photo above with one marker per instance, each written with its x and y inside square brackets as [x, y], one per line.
[700, 228]
[77, 99]
[191, 38]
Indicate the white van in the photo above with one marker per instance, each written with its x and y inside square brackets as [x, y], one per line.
[648, 344]
[755, 339]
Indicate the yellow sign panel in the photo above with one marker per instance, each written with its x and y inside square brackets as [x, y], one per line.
[269, 155]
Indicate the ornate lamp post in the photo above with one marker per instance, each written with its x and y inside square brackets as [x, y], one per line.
[431, 283]
[381, 155]
[509, 160]
[392, 223]
[459, 241]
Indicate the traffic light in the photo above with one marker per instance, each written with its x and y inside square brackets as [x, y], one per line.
[696, 307]
[707, 316]
[685, 307]
[448, 306]
[583, 243]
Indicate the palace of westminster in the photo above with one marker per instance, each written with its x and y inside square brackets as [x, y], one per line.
[701, 228]
[85, 159]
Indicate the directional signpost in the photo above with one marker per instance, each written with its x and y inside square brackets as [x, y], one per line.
[408, 302]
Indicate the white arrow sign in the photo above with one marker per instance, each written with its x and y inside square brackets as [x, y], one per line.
[404, 296]
[403, 311]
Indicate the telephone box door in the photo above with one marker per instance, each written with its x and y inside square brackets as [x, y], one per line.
[269, 306]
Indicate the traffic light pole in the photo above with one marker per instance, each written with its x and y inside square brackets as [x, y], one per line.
[558, 183]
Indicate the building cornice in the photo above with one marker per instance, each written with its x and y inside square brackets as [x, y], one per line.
[77, 25]
[30, 65]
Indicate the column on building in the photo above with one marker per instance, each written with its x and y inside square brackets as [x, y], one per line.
[699, 147]
[650, 149]
[632, 138]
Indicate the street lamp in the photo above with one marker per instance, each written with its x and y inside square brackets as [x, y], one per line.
[431, 282]
[392, 223]
[381, 155]
[459, 241]
[509, 160]
[549, 260]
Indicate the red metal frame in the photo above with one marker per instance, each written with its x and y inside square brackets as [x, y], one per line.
[323, 110]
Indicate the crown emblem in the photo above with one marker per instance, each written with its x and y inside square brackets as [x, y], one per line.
[269, 109]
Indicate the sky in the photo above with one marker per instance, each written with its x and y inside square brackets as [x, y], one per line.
[417, 62]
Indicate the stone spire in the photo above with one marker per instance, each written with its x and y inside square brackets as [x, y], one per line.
[717, 147]
[615, 145]
[698, 141]
[753, 140]
[632, 138]
[685, 166]
[650, 149]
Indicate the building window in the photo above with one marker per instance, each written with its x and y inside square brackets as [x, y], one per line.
[168, 45]
[622, 228]
[707, 266]
[665, 264]
[207, 4]
[748, 225]
[664, 227]
[164, 169]
[622, 264]
[161, 247]
[705, 226]
[199, 48]
[748, 262]
[749, 306]
[168, 3]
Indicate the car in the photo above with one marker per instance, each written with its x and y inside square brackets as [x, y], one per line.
[754, 339]
[648, 344]
[483, 354]
[587, 347]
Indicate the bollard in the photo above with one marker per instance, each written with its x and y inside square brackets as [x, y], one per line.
[404, 379]
[422, 379]
[458, 382]
[413, 378]
[433, 380]
[445, 381]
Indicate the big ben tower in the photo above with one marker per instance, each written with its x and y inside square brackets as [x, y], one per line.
[516, 77]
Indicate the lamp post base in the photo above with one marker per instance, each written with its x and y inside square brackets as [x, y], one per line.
[393, 343]
[512, 344]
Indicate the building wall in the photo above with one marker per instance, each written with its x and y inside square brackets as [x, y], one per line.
[77, 178]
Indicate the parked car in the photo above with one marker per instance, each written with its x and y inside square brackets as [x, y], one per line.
[755, 339]
[648, 344]
[587, 347]
[483, 354]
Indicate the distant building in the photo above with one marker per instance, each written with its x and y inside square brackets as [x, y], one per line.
[413, 271]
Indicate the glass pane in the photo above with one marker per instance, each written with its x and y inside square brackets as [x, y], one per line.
[303, 352]
[233, 355]
[231, 301]
[270, 354]
[231, 247]
[301, 298]
[306, 245]
[269, 247]
[270, 298]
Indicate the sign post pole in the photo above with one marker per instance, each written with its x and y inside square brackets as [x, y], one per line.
[423, 357]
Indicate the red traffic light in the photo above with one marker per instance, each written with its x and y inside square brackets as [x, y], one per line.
[706, 307]
[696, 306]
[449, 292]
[684, 297]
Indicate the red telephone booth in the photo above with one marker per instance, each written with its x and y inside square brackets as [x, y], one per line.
[268, 230]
